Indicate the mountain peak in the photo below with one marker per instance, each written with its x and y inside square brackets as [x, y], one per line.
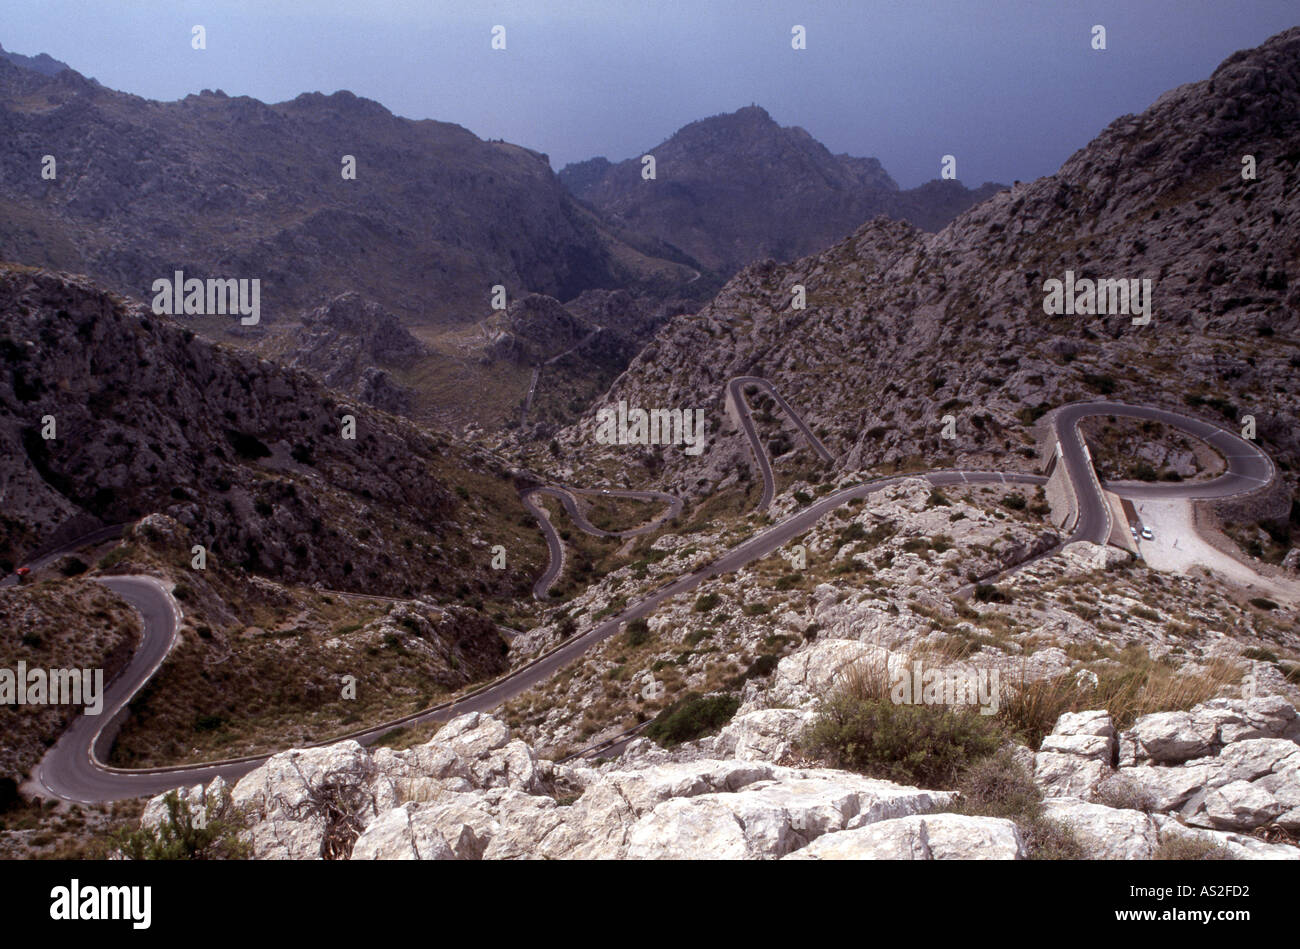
[754, 111]
[42, 63]
[739, 186]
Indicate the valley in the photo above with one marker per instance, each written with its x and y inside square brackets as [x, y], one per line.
[464, 507]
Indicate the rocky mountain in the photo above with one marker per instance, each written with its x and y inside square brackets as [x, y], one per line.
[736, 188]
[108, 413]
[537, 328]
[351, 343]
[1197, 195]
[573, 350]
[232, 187]
[43, 63]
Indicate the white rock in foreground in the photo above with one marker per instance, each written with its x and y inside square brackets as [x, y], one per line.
[928, 837]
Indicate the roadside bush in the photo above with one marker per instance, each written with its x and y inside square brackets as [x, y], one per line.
[691, 717]
[636, 633]
[73, 566]
[707, 602]
[988, 593]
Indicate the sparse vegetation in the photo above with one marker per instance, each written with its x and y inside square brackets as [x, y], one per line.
[207, 832]
[860, 729]
[998, 786]
[691, 717]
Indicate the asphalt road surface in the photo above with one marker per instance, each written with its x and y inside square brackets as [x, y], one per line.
[566, 497]
[71, 768]
[737, 388]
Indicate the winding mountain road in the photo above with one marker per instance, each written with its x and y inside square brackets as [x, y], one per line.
[736, 392]
[568, 497]
[73, 768]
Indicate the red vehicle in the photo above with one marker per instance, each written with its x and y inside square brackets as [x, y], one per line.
[23, 571]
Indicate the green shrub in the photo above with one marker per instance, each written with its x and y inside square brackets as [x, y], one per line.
[636, 633]
[764, 665]
[999, 786]
[208, 723]
[1102, 383]
[707, 602]
[987, 593]
[1031, 414]
[213, 835]
[1015, 502]
[248, 446]
[854, 531]
[691, 717]
[115, 557]
[925, 745]
[73, 566]
[1262, 603]
[695, 637]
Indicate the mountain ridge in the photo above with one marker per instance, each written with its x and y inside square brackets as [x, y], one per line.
[737, 187]
[903, 328]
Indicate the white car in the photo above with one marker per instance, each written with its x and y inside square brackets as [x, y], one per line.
[1147, 534]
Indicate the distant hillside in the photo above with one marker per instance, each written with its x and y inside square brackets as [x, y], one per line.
[42, 63]
[250, 457]
[232, 187]
[902, 327]
[736, 188]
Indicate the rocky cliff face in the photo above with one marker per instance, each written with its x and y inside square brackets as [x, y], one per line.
[351, 342]
[902, 328]
[537, 328]
[736, 188]
[248, 456]
[233, 187]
